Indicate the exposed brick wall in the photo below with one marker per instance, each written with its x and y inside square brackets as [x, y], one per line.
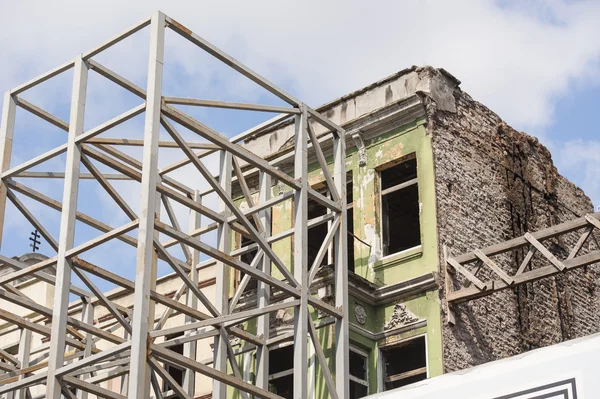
[492, 184]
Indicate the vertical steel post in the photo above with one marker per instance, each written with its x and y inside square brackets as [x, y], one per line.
[139, 372]
[301, 256]
[222, 273]
[125, 377]
[340, 240]
[67, 230]
[23, 357]
[189, 349]
[87, 316]
[264, 290]
[7, 130]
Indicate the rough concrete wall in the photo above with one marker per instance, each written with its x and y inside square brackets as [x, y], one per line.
[492, 184]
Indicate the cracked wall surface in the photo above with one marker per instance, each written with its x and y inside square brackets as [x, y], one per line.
[494, 183]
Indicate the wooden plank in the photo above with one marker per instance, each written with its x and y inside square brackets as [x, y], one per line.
[400, 186]
[526, 260]
[519, 242]
[450, 319]
[467, 274]
[593, 221]
[582, 239]
[407, 374]
[470, 293]
[492, 265]
[544, 251]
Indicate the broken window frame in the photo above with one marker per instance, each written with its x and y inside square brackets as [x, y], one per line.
[381, 371]
[390, 190]
[364, 382]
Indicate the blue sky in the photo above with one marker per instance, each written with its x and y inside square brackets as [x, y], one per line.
[535, 63]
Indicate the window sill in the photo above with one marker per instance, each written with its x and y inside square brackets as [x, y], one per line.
[399, 257]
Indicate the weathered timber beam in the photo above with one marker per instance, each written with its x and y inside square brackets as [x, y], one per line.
[470, 293]
[519, 242]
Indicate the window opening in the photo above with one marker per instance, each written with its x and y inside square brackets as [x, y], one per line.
[350, 219]
[281, 371]
[405, 363]
[359, 375]
[175, 372]
[400, 207]
[317, 234]
[246, 257]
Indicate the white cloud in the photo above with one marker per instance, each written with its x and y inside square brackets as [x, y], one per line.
[516, 58]
[581, 158]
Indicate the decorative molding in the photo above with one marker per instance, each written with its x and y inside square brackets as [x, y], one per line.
[360, 314]
[401, 317]
[384, 334]
[360, 147]
[390, 293]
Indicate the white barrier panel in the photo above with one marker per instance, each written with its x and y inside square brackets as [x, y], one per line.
[570, 370]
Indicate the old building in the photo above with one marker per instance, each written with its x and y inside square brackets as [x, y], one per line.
[431, 173]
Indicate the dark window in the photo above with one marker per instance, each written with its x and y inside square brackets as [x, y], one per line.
[350, 218]
[175, 372]
[281, 371]
[247, 257]
[359, 384]
[400, 207]
[317, 234]
[405, 364]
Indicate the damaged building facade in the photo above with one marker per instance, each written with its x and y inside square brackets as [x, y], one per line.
[431, 173]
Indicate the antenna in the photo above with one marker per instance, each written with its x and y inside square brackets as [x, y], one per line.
[35, 244]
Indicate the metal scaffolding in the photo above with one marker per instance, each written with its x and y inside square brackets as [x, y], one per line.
[75, 359]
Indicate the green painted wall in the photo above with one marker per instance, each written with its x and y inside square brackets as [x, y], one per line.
[383, 151]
